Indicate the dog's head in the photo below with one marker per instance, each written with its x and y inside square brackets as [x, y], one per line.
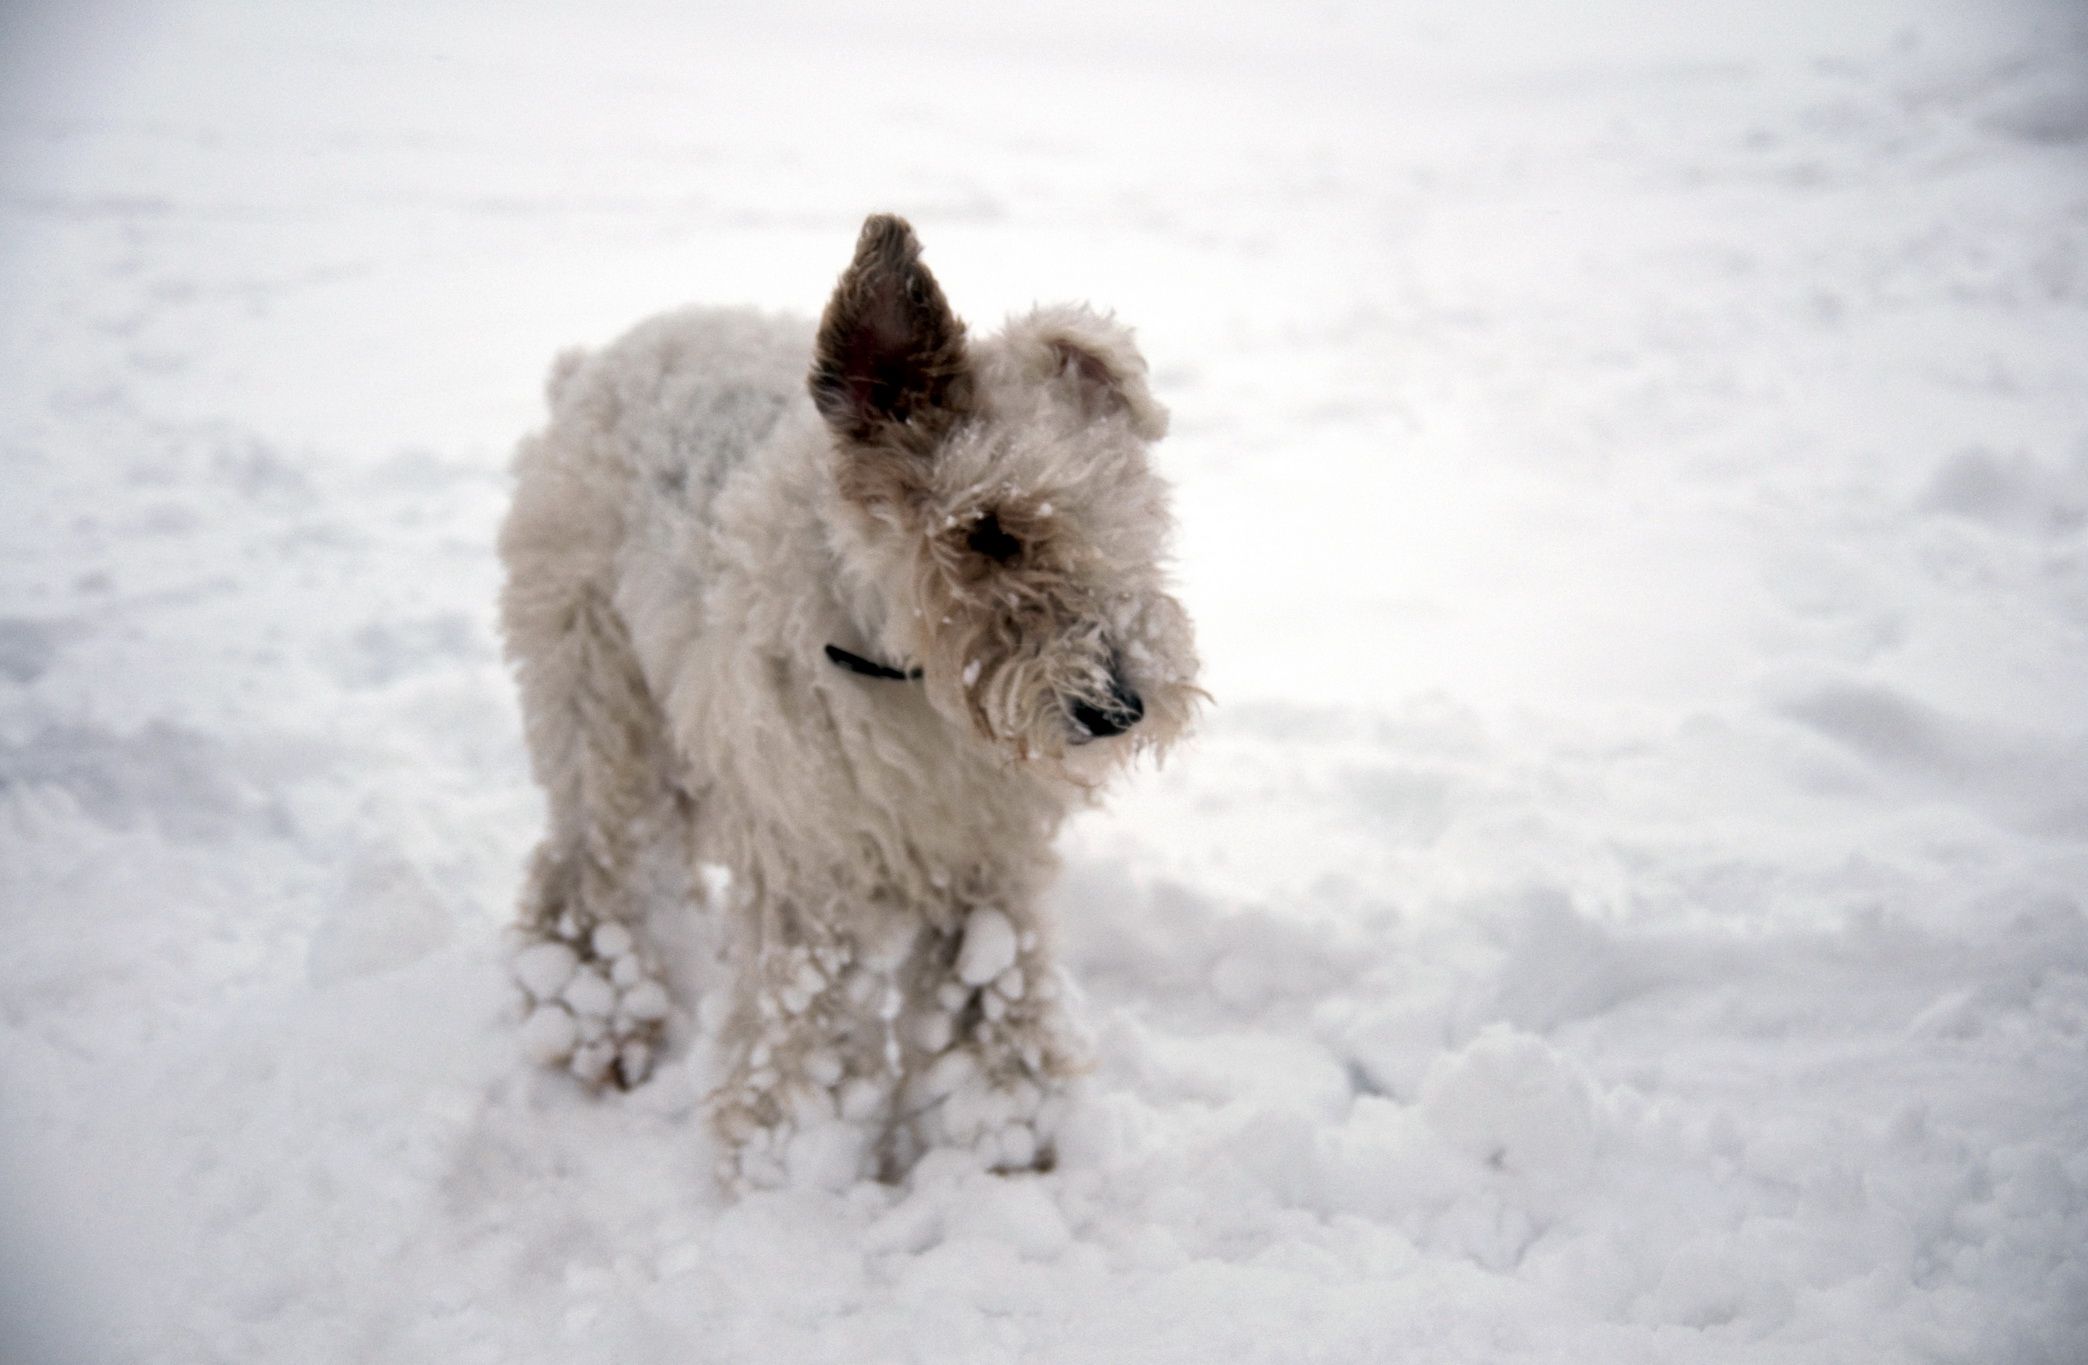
[1004, 505]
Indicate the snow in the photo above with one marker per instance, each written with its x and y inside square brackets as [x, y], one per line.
[988, 948]
[548, 1035]
[1625, 903]
[590, 994]
[543, 969]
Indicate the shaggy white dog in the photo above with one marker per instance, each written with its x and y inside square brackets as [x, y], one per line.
[863, 638]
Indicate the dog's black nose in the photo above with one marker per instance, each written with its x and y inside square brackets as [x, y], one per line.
[1124, 711]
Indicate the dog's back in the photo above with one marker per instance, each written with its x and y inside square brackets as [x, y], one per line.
[679, 400]
[616, 498]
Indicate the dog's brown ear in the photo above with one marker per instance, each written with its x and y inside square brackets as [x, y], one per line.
[890, 366]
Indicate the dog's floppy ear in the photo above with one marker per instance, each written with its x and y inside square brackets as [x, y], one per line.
[1094, 358]
[890, 365]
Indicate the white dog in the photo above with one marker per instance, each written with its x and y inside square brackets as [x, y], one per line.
[863, 639]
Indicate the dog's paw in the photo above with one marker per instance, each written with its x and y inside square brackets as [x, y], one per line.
[596, 1006]
[813, 1132]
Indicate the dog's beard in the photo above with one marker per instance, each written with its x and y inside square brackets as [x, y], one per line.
[1025, 709]
[1025, 704]
[1090, 766]
[1058, 688]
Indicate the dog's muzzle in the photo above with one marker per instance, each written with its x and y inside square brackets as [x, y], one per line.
[1124, 710]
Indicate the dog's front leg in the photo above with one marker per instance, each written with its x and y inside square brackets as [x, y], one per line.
[816, 1055]
[991, 1043]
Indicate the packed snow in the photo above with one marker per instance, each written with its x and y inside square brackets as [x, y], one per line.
[1625, 903]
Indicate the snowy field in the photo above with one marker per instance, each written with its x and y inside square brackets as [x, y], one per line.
[1626, 905]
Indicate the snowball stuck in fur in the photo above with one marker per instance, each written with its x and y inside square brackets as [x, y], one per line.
[544, 968]
[548, 1035]
[989, 947]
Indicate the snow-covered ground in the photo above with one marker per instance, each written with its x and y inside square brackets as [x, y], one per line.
[1626, 904]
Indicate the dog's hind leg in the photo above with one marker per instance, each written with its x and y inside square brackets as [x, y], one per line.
[598, 745]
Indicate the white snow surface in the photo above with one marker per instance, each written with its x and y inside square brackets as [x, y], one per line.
[1626, 903]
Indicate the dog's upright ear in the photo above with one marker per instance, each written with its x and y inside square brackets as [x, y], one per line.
[890, 366]
[1093, 360]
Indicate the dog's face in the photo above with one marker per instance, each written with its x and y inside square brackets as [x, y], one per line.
[1002, 494]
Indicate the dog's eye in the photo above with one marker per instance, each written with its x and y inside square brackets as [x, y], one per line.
[988, 539]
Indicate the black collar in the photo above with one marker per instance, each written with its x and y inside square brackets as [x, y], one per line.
[856, 663]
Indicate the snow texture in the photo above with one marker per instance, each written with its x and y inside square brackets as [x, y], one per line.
[1626, 903]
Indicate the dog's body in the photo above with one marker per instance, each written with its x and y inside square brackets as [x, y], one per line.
[864, 647]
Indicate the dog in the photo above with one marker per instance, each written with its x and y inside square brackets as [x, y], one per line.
[858, 613]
